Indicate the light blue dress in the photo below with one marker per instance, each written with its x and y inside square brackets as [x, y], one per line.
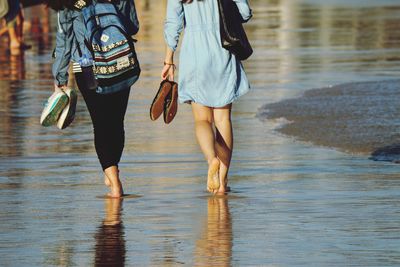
[208, 74]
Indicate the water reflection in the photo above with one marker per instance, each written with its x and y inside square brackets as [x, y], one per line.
[9, 100]
[321, 38]
[110, 237]
[40, 27]
[214, 248]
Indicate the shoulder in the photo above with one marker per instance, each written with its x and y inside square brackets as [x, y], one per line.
[125, 3]
[67, 15]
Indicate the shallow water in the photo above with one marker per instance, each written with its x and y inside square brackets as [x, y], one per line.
[293, 204]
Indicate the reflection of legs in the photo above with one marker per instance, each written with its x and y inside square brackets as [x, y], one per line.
[215, 246]
[110, 243]
[203, 117]
[224, 143]
[112, 208]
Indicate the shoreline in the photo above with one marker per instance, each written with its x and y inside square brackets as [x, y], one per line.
[356, 118]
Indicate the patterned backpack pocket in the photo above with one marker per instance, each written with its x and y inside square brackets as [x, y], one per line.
[116, 66]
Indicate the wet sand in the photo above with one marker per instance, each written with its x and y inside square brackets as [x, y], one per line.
[292, 203]
[356, 118]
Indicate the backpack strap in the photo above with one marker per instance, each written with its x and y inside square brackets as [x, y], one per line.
[79, 5]
[78, 47]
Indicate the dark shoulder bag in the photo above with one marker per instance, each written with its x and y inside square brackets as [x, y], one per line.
[233, 36]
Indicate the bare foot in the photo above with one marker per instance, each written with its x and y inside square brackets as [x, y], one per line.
[107, 180]
[116, 191]
[112, 174]
[213, 176]
[223, 189]
[15, 44]
[15, 51]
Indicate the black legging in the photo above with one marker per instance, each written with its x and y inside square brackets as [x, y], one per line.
[107, 113]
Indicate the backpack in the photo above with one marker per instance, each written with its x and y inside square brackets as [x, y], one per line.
[115, 64]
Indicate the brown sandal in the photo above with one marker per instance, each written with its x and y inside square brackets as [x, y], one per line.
[171, 104]
[157, 107]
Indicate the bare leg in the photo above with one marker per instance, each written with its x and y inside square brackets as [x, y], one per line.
[203, 117]
[14, 40]
[224, 143]
[20, 26]
[116, 189]
[15, 30]
[107, 180]
[3, 27]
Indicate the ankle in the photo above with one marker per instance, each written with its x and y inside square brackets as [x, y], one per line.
[222, 189]
[15, 44]
[211, 160]
[116, 183]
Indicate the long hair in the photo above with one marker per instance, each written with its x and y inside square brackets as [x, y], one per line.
[64, 4]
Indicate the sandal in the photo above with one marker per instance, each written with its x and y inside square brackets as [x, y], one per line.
[171, 104]
[157, 107]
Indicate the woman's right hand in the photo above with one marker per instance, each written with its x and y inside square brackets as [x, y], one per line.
[168, 72]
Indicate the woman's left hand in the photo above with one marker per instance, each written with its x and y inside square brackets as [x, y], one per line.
[60, 88]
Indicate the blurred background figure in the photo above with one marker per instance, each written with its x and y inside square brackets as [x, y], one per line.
[13, 23]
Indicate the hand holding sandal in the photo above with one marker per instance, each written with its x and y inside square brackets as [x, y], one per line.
[165, 101]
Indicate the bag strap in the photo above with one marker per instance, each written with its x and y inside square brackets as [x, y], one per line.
[78, 47]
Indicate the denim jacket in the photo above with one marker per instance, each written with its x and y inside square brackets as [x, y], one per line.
[70, 33]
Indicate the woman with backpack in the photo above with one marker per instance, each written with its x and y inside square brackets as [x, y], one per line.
[210, 78]
[107, 108]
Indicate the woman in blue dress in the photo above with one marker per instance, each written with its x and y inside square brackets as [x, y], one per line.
[210, 78]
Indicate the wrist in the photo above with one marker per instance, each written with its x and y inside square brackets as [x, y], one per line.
[170, 65]
[59, 87]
